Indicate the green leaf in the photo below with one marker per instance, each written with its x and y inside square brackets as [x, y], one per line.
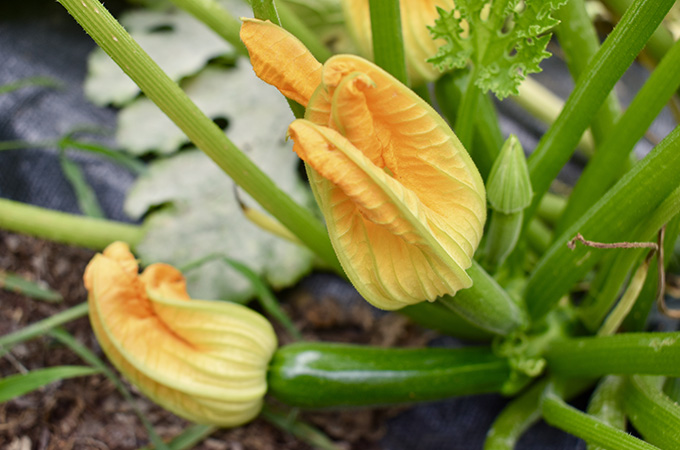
[17, 385]
[178, 42]
[505, 40]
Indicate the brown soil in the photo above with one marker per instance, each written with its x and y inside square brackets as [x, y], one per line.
[89, 413]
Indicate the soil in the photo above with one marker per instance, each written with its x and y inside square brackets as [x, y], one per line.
[89, 413]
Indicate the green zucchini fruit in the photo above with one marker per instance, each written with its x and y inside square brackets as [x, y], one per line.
[321, 375]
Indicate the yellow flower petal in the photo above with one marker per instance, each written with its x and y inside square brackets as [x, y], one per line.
[281, 60]
[401, 133]
[204, 360]
[391, 245]
[416, 16]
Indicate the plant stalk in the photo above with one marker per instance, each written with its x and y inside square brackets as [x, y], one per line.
[388, 41]
[66, 228]
[207, 136]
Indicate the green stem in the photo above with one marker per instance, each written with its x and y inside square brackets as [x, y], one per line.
[292, 23]
[388, 42]
[539, 236]
[612, 219]
[545, 106]
[659, 43]
[522, 413]
[438, 317]
[614, 270]
[606, 403]
[605, 68]
[66, 228]
[203, 132]
[592, 430]
[278, 12]
[620, 354]
[551, 208]
[501, 237]
[488, 138]
[486, 304]
[579, 42]
[611, 157]
[653, 414]
[43, 326]
[211, 13]
[266, 10]
[467, 110]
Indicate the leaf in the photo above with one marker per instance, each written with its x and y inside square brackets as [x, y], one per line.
[180, 44]
[505, 40]
[205, 217]
[17, 385]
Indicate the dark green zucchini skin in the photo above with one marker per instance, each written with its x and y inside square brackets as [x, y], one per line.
[322, 375]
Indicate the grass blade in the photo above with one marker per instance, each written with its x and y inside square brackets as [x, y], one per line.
[17, 385]
[87, 199]
[43, 326]
[20, 285]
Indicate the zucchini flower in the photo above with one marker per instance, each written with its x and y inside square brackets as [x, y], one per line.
[416, 16]
[403, 201]
[205, 361]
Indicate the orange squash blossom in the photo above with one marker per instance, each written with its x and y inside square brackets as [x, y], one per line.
[203, 360]
[404, 203]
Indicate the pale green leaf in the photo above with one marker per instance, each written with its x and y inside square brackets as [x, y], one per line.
[256, 116]
[178, 42]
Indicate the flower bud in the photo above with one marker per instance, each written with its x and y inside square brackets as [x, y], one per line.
[509, 185]
[204, 360]
[404, 203]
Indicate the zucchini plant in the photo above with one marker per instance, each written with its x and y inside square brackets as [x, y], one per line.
[405, 193]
